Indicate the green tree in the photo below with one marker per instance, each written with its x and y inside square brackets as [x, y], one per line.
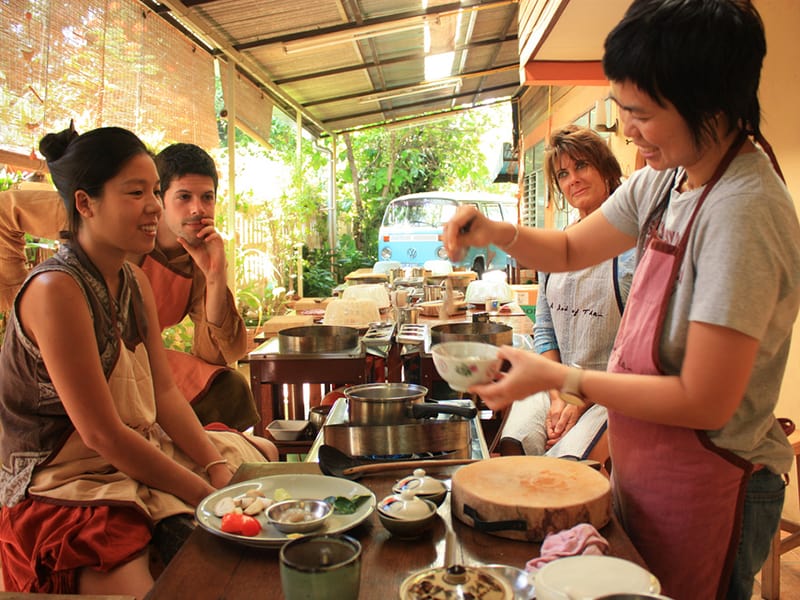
[383, 163]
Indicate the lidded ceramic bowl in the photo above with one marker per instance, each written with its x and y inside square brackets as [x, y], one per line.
[406, 515]
[455, 581]
[406, 506]
[423, 486]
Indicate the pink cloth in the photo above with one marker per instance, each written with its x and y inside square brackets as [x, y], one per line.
[581, 539]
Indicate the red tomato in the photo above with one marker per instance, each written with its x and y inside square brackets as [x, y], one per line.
[250, 526]
[232, 522]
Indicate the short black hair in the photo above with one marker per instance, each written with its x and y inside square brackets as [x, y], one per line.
[177, 160]
[702, 56]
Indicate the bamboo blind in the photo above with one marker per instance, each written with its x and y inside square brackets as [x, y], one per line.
[100, 62]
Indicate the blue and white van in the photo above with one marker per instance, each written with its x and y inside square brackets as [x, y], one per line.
[411, 231]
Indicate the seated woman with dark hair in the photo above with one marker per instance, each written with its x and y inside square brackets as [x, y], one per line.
[98, 444]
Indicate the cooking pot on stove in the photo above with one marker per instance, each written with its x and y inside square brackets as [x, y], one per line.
[395, 403]
[317, 339]
[498, 334]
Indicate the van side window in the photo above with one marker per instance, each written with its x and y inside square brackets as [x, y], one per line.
[493, 211]
[411, 231]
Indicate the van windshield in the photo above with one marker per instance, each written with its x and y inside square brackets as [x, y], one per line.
[419, 212]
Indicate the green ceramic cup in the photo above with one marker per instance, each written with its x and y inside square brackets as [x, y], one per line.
[321, 567]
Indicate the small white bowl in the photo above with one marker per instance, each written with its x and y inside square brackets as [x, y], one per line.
[462, 364]
[287, 430]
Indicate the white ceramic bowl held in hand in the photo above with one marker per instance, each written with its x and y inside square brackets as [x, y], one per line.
[462, 364]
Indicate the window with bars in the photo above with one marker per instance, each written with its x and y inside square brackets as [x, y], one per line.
[534, 192]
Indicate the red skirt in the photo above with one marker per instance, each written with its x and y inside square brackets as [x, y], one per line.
[44, 546]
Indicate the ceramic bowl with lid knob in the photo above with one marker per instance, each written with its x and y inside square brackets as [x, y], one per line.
[423, 486]
[406, 515]
[455, 581]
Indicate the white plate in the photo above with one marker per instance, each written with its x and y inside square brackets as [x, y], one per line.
[586, 577]
[299, 486]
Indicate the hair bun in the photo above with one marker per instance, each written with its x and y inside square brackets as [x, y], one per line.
[53, 145]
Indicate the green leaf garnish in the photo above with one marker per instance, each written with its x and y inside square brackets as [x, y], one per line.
[346, 506]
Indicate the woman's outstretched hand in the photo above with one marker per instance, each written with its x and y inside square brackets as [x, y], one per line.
[468, 227]
[529, 373]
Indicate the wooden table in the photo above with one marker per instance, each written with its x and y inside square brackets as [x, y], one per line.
[210, 567]
[269, 372]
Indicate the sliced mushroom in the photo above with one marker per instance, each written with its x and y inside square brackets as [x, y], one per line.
[224, 506]
[256, 506]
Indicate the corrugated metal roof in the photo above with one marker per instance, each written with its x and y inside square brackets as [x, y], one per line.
[349, 64]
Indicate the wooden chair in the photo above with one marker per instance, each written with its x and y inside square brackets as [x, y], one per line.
[771, 571]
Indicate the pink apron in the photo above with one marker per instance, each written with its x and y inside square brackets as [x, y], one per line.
[679, 497]
[173, 291]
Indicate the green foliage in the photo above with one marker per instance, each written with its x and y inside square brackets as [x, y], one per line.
[346, 258]
[259, 300]
[179, 337]
[9, 179]
[318, 282]
[446, 154]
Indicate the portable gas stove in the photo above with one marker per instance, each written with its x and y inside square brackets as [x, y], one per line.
[443, 437]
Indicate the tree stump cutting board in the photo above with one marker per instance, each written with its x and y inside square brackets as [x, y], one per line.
[527, 497]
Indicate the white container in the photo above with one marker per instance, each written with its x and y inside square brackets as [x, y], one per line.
[287, 430]
[592, 577]
[376, 292]
[480, 291]
[358, 313]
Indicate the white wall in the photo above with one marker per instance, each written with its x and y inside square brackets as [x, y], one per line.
[780, 108]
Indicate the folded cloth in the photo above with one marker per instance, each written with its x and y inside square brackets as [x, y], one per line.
[581, 539]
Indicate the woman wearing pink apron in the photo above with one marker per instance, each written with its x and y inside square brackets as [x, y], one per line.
[697, 454]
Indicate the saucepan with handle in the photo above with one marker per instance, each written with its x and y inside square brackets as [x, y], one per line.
[396, 403]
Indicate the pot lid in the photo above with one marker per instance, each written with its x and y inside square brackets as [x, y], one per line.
[420, 483]
[455, 581]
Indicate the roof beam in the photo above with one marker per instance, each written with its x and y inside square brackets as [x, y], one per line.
[390, 61]
[386, 121]
[555, 72]
[363, 29]
[501, 69]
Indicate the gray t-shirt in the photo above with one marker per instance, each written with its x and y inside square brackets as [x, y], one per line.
[741, 270]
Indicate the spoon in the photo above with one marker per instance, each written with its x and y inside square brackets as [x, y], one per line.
[338, 464]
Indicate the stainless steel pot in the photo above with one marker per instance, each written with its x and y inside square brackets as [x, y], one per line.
[497, 334]
[395, 403]
[318, 414]
[317, 339]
